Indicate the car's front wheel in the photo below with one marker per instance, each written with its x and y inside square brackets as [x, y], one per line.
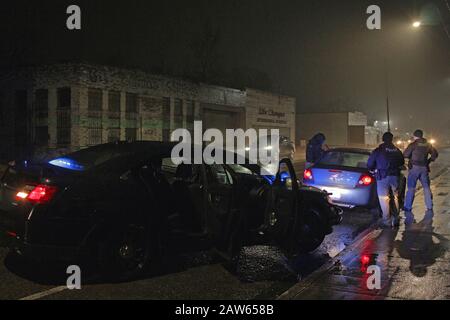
[312, 231]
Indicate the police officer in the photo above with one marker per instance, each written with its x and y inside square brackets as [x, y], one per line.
[387, 161]
[420, 154]
[315, 149]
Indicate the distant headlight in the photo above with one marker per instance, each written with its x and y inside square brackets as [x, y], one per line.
[399, 142]
[432, 141]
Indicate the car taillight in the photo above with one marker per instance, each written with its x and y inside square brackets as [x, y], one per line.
[307, 175]
[365, 180]
[39, 194]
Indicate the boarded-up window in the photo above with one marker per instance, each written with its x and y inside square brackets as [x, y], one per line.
[166, 119]
[114, 101]
[41, 103]
[94, 123]
[131, 134]
[113, 134]
[178, 113]
[95, 99]
[356, 135]
[94, 135]
[131, 103]
[64, 98]
[190, 116]
[113, 116]
[41, 113]
[63, 117]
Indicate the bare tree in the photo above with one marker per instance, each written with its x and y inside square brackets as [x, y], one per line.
[205, 49]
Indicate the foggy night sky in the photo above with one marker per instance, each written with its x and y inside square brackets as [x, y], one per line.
[318, 51]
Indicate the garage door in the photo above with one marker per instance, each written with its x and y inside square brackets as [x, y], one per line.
[221, 120]
[356, 135]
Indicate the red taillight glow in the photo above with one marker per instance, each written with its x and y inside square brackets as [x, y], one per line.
[365, 180]
[41, 194]
[11, 234]
[307, 175]
[365, 259]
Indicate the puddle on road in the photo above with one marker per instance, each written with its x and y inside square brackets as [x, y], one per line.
[267, 263]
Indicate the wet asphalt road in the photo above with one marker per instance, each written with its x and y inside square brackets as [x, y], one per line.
[263, 272]
[413, 260]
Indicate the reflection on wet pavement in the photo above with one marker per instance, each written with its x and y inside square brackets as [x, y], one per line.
[413, 260]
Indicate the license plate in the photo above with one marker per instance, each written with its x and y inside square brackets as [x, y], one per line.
[335, 194]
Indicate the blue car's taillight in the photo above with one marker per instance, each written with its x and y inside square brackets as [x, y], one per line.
[308, 175]
[365, 180]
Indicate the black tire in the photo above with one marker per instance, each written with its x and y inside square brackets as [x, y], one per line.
[127, 253]
[312, 231]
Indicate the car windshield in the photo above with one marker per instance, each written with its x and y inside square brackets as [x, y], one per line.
[237, 168]
[345, 159]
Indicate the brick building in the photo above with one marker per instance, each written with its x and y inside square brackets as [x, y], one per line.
[73, 106]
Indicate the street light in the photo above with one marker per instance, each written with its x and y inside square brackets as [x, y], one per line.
[417, 24]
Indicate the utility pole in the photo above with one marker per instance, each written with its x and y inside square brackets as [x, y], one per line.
[386, 81]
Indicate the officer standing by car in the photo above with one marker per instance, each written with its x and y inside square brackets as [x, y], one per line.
[387, 161]
[315, 149]
[420, 154]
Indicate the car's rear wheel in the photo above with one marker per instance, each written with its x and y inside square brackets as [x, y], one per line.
[127, 253]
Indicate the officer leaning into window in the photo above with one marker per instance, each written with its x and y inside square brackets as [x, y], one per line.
[420, 154]
[315, 149]
[387, 160]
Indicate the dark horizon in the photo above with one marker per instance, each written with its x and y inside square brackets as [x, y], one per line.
[317, 51]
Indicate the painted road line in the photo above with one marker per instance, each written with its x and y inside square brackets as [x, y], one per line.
[45, 293]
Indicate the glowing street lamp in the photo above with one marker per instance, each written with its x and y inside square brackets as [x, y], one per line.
[417, 24]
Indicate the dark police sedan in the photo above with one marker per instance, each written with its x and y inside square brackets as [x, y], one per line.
[126, 204]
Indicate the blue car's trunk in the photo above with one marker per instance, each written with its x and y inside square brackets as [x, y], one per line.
[336, 177]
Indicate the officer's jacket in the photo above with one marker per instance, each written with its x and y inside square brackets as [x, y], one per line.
[418, 152]
[314, 151]
[387, 159]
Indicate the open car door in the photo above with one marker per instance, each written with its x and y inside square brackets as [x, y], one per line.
[282, 217]
[222, 215]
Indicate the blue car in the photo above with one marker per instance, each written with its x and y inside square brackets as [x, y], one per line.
[343, 173]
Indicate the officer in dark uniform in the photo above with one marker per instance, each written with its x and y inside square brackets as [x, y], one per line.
[315, 149]
[387, 161]
[420, 154]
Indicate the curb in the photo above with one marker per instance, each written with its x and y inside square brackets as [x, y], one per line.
[309, 280]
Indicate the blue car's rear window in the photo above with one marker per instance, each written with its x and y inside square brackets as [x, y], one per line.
[345, 159]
